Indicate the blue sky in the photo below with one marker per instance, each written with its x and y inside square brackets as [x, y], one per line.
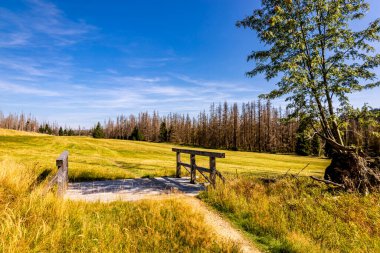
[78, 62]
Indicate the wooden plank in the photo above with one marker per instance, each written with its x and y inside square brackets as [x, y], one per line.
[62, 159]
[198, 152]
[185, 165]
[62, 163]
[205, 177]
[50, 184]
[203, 169]
[178, 169]
[193, 169]
[212, 171]
[61, 182]
[221, 176]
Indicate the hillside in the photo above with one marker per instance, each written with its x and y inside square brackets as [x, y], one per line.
[110, 159]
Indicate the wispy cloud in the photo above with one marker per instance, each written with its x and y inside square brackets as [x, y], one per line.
[220, 84]
[140, 63]
[19, 89]
[42, 24]
[139, 79]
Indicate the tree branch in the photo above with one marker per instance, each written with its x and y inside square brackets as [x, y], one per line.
[327, 182]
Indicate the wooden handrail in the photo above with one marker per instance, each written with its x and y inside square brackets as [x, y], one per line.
[198, 152]
[194, 168]
[61, 178]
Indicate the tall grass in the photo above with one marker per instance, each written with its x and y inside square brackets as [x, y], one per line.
[299, 215]
[32, 223]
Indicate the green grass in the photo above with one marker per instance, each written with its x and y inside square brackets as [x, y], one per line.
[300, 215]
[110, 159]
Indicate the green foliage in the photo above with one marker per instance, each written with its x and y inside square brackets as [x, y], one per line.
[136, 135]
[45, 129]
[303, 144]
[70, 132]
[310, 45]
[98, 131]
[316, 145]
[163, 137]
[60, 131]
[300, 215]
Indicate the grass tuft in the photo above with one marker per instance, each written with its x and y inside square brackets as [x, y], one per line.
[297, 215]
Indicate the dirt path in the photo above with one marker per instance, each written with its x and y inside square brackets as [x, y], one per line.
[156, 189]
[221, 227]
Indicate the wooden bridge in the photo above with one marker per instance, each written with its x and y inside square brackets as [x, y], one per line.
[139, 186]
[192, 168]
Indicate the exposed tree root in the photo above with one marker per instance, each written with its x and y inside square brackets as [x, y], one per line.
[353, 171]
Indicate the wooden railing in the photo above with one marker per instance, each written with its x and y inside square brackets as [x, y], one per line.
[192, 168]
[61, 178]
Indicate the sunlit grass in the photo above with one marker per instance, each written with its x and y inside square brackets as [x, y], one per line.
[300, 215]
[111, 159]
[30, 222]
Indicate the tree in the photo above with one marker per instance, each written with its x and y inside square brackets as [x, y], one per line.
[136, 135]
[319, 59]
[163, 137]
[303, 145]
[60, 132]
[98, 131]
[315, 145]
[70, 132]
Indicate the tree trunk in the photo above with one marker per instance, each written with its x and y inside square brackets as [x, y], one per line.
[353, 171]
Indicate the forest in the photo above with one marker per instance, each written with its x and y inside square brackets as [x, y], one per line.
[253, 126]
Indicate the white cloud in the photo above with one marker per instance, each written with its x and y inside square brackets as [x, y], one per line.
[140, 79]
[41, 25]
[20, 89]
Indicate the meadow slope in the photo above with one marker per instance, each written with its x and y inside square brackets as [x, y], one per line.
[32, 223]
[111, 159]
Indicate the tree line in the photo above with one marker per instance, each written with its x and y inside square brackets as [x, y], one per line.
[29, 123]
[253, 126]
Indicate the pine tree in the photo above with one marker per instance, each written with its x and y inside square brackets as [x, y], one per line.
[136, 135]
[60, 132]
[163, 137]
[98, 131]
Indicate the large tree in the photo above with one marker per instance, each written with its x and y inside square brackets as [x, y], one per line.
[318, 57]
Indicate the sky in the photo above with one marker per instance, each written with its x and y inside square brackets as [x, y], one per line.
[78, 62]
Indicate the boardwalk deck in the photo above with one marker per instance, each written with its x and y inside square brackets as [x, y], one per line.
[130, 189]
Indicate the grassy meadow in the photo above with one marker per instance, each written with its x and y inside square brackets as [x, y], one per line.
[31, 223]
[299, 215]
[111, 159]
[290, 215]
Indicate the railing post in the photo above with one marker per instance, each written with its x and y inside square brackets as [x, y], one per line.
[178, 170]
[62, 163]
[212, 170]
[193, 169]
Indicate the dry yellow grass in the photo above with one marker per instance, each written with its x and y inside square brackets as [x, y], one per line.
[300, 215]
[31, 223]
